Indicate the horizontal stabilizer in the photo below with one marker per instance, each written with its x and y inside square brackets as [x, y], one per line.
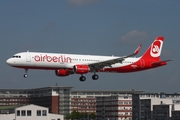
[160, 62]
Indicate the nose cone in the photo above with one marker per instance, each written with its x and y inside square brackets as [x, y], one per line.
[9, 62]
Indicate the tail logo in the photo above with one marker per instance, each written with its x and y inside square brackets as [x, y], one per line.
[156, 48]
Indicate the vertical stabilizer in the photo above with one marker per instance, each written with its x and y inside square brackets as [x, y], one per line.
[154, 51]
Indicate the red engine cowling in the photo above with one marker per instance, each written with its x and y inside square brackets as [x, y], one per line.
[62, 72]
[81, 69]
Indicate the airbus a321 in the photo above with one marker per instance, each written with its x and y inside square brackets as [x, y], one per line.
[68, 64]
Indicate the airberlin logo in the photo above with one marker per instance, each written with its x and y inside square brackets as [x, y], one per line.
[47, 58]
[156, 48]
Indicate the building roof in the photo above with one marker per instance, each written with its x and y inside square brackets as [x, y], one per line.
[115, 91]
[25, 89]
[31, 105]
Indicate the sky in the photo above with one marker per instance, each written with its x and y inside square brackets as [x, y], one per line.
[96, 27]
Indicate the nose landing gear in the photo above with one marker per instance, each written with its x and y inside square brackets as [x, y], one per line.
[26, 75]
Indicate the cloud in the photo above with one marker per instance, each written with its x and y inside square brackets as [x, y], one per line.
[49, 26]
[134, 37]
[173, 79]
[168, 53]
[82, 2]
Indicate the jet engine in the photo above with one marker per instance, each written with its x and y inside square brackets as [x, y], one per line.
[62, 72]
[81, 69]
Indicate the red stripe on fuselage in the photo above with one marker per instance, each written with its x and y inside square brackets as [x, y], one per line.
[137, 66]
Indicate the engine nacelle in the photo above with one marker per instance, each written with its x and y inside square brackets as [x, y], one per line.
[81, 69]
[62, 72]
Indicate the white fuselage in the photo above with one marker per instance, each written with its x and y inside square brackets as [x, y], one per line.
[36, 60]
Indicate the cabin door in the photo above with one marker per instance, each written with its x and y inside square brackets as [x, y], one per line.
[142, 63]
[28, 57]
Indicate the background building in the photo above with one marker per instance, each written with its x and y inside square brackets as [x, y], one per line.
[55, 98]
[147, 106]
[107, 104]
[59, 100]
[86, 100]
[13, 97]
[114, 107]
[31, 112]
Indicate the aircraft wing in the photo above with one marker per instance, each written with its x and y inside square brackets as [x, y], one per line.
[102, 64]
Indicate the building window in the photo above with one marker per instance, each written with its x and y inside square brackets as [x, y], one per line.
[44, 113]
[18, 112]
[38, 112]
[58, 119]
[28, 112]
[23, 113]
[121, 103]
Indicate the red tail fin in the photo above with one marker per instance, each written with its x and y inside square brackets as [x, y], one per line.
[154, 51]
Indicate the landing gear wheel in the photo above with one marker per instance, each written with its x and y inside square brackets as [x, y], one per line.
[25, 75]
[82, 78]
[95, 77]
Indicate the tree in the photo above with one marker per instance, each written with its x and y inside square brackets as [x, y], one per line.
[68, 116]
[78, 115]
[75, 115]
[92, 115]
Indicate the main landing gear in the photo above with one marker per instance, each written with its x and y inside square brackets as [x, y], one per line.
[26, 75]
[95, 77]
[83, 78]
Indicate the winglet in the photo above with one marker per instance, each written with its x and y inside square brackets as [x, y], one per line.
[135, 52]
[138, 49]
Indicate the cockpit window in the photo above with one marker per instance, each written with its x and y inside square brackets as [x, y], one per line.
[16, 56]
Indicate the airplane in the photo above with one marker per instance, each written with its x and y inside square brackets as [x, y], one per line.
[68, 64]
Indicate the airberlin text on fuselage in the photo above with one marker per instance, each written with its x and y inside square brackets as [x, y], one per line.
[60, 58]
